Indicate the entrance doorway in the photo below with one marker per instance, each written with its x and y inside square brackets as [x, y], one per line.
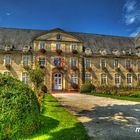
[57, 81]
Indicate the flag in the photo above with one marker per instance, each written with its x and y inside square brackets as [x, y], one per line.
[62, 61]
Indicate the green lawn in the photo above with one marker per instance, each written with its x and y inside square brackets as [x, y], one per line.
[58, 124]
[122, 97]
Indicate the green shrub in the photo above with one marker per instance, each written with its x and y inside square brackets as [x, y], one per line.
[19, 109]
[44, 89]
[88, 87]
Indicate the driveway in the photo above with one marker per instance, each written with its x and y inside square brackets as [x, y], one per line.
[104, 118]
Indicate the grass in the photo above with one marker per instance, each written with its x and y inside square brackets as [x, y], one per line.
[121, 97]
[58, 124]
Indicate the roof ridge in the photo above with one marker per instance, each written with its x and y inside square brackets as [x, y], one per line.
[102, 35]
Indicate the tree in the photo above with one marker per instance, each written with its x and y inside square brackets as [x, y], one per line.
[19, 109]
[37, 77]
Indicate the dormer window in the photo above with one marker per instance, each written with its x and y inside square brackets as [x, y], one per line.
[42, 45]
[88, 51]
[58, 37]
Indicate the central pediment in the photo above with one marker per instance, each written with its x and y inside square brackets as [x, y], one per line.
[58, 35]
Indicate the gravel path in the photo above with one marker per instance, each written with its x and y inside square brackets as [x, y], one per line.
[104, 118]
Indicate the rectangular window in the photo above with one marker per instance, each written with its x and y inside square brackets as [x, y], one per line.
[103, 79]
[58, 37]
[103, 63]
[57, 61]
[58, 46]
[73, 62]
[42, 61]
[25, 60]
[128, 63]
[129, 79]
[117, 80]
[73, 47]
[88, 77]
[87, 63]
[42, 45]
[74, 79]
[24, 77]
[7, 73]
[116, 63]
[7, 59]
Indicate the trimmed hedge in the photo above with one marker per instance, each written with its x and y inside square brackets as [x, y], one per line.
[88, 87]
[19, 109]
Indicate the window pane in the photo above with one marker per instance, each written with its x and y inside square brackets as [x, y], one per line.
[42, 61]
[7, 59]
[116, 63]
[42, 45]
[87, 63]
[128, 63]
[24, 77]
[73, 47]
[103, 79]
[58, 46]
[73, 62]
[25, 60]
[103, 63]
[74, 79]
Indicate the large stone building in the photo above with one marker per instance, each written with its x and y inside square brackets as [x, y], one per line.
[70, 58]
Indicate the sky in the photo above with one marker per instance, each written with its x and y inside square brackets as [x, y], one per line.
[112, 17]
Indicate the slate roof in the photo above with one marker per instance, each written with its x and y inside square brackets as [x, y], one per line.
[22, 37]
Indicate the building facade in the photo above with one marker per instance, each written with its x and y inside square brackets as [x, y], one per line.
[70, 58]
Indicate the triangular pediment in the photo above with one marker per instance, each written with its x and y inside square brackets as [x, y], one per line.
[52, 36]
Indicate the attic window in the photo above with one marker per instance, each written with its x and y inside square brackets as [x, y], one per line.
[58, 37]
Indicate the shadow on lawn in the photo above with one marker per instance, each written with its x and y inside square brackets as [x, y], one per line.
[48, 124]
[111, 122]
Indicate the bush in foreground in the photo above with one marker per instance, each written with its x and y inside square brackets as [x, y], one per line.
[19, 109]
[88, 87]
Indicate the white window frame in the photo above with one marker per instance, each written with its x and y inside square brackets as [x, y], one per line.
[42, 45]
[116, 65]
[25, 77]
[101, 63]
[74, 79]
[88, 62]
[73, 62]
[58, 46]
[58, 38]
[25, 60]
[42, 61]
[129, 80]
[117, 79]
[73, 47]
[103, 79]
[7, 59]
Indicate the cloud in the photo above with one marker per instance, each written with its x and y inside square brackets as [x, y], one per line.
[131, 11]
[130, 5]
[8, 14]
